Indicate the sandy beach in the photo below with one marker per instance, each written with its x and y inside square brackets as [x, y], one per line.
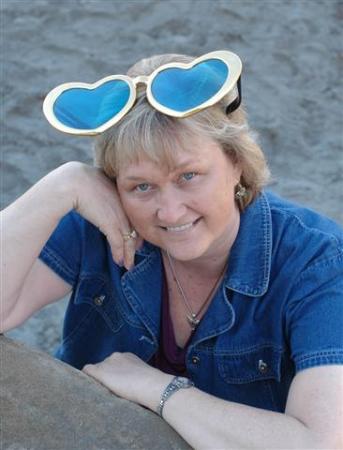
[292, 70]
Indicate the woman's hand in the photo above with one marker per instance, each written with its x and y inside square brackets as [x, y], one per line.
[95, 197]
[129, 377]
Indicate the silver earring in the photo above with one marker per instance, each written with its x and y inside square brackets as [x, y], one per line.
[241, 192]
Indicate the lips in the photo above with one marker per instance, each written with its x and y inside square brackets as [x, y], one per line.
[181, 228]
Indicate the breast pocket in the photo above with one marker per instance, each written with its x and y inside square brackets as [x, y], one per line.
[252, 375]
[95, 292]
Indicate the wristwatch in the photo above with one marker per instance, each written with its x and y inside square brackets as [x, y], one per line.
[175, 384]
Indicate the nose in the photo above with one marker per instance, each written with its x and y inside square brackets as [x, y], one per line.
[171, 208]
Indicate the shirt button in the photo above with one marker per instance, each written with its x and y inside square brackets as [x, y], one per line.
[195, 359]
[98, 301]
[262, 366]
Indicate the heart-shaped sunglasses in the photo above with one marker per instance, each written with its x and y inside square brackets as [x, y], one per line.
[175, 89]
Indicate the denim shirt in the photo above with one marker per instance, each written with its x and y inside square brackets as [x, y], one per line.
[278, 310]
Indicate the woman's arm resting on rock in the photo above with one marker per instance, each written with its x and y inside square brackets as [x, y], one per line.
[313, 417]
[312, 420]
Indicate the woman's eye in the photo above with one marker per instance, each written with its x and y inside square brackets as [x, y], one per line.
[188, 175]
[143, 187]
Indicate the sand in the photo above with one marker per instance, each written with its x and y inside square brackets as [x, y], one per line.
[292, 57]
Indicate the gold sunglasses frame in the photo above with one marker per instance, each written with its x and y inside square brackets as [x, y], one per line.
[232, 61]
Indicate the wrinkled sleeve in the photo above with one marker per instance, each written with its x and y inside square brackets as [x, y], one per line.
[314, 315]
[62, 252]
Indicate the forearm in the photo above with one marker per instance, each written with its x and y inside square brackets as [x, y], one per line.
[26, 225]
[205, 421]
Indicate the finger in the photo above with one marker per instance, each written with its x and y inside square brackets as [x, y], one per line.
[117, 248]
[117, 242]
[139, 243]
[114, 227]
[92, 371]
[129, 252]
[89, 369]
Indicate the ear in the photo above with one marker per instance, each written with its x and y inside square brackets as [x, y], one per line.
[235, 168]
[237, 172]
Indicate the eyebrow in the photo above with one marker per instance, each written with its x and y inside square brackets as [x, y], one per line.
[133, 178]
[178, 168]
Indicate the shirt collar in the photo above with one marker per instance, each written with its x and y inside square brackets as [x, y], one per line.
[250, 256]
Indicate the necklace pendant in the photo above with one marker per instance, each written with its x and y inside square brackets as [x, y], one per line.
[193, 321]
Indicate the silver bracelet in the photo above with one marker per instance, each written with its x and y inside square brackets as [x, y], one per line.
[175, 384]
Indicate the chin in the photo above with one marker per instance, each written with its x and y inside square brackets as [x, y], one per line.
[185, 254]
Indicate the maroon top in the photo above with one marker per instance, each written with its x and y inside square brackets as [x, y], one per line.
[169, 357]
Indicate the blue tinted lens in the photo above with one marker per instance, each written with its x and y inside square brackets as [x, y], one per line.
[87, 109]
[181, 89]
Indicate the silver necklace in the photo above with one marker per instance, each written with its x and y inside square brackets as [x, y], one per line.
[192, 317]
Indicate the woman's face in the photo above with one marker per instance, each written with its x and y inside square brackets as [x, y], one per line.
[188, 210]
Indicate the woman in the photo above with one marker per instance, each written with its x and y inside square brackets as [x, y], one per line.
[181, 266]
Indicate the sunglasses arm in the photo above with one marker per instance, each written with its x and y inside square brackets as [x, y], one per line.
[235, 103]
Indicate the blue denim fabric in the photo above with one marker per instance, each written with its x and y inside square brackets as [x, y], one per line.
[279, 309]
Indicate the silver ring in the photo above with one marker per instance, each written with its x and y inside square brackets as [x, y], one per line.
[130, 235]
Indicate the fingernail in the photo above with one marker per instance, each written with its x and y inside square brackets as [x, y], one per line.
[129, 267]
[121, 262]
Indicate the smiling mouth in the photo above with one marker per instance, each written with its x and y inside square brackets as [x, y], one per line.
[183, 227]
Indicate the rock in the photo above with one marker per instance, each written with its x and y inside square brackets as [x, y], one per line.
[49, 405]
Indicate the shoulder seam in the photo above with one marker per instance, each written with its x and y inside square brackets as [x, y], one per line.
[320, 262]
[295, 217]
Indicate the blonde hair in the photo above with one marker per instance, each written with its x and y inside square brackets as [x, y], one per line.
[144, 131]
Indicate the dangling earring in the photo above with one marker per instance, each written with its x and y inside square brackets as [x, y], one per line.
[241, 192]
